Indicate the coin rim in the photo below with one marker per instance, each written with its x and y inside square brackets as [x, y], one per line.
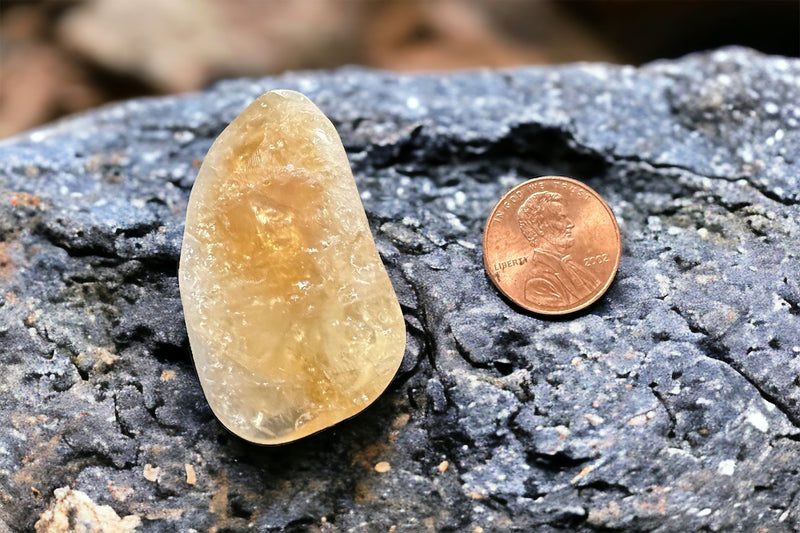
[599, 293]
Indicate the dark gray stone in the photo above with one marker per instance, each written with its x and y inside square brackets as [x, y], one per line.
[671, 405]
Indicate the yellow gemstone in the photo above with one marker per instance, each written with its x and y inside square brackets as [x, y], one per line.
[292, 320]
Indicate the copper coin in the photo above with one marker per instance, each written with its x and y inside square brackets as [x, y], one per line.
[551, 245]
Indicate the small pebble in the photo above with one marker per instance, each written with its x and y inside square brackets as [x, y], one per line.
[151, 472]
[383, 467]
[191, 476]
[401, 420]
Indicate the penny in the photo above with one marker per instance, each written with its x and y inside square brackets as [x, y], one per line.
[552, 245]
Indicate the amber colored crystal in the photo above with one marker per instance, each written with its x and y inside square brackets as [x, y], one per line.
[292, 320]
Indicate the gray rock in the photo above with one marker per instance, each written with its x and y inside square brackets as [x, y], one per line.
[671, 405]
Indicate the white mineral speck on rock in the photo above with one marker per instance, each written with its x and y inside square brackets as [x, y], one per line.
[758, 420]
[654, 223]
[779, 303]
[575, 328]
[184, 136]
[594, 419]
[726, 467]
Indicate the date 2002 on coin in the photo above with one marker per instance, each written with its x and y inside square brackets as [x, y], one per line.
[551, 245]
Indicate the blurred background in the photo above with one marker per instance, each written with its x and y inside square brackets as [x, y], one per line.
[60, 57]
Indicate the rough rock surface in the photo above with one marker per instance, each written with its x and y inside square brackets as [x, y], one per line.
[671, 405]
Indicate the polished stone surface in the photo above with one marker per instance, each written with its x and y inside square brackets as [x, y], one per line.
[293, 322]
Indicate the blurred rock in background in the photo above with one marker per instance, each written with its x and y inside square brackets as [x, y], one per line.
[62, 56]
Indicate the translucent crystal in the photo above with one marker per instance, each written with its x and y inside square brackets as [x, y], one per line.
[293, 322]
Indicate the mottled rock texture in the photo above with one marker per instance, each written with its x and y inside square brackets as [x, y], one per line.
[671, 405]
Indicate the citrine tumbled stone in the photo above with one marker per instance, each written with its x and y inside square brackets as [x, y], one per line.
[292, 319]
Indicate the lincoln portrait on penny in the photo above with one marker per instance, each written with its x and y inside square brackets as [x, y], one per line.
[557, 279]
